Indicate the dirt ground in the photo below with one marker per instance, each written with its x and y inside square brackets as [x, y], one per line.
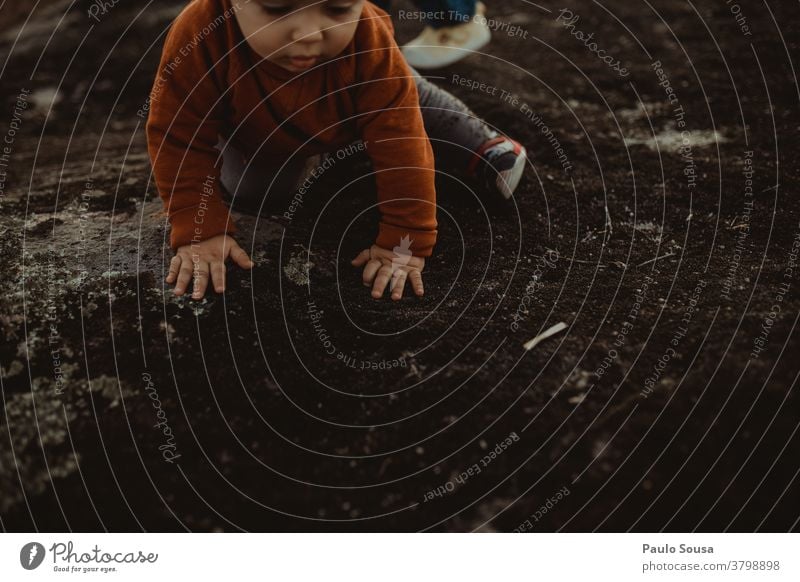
[664, 233]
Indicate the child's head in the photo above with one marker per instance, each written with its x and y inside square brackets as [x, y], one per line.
[298, 34]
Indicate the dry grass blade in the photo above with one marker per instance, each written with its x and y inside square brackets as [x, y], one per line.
[529, 345]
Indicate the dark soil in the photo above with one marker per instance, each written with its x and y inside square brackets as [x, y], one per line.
[669, 403]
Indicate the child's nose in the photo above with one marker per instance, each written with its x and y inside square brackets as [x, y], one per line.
[307, 32]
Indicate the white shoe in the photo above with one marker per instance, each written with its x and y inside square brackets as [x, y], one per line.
[440, 47]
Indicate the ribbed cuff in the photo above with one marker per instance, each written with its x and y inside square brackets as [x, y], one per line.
[401, 240]
[195, 224]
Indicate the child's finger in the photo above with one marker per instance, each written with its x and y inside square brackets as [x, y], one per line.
[184, 276]
[361, 258]
[369, 272]
[398, 283]
[240, 257]
[174, 267]
[416, 282]
[384, 274]
[200, 280]
[218, 276]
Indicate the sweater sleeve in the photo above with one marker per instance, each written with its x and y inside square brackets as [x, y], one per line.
[390, 123]
[183, 130]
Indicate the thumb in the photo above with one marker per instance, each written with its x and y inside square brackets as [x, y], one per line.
[361, 259]
[239, 256]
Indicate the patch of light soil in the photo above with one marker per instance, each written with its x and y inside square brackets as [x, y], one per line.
[670, 140]
[298, 268]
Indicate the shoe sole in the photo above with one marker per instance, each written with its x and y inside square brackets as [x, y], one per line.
[508, 185]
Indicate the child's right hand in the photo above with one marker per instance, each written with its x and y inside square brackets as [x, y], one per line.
[382, 267]
[197, 262]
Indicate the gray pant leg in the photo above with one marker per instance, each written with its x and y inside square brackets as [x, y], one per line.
[253, 186]
[455, 131]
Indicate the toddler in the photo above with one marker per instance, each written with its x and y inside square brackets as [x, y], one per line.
[251, 92]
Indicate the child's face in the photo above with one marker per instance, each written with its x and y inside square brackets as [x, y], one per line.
[298, 34]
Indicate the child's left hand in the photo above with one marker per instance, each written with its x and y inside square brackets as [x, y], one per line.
[384, 266]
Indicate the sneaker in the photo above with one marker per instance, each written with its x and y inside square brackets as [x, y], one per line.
[440, 47]
[498, 165]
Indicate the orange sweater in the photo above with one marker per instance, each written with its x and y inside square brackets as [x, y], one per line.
[211, 83]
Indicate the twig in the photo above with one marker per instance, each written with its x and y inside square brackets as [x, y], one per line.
[608, 221]
[599, 265]
[656, 259]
